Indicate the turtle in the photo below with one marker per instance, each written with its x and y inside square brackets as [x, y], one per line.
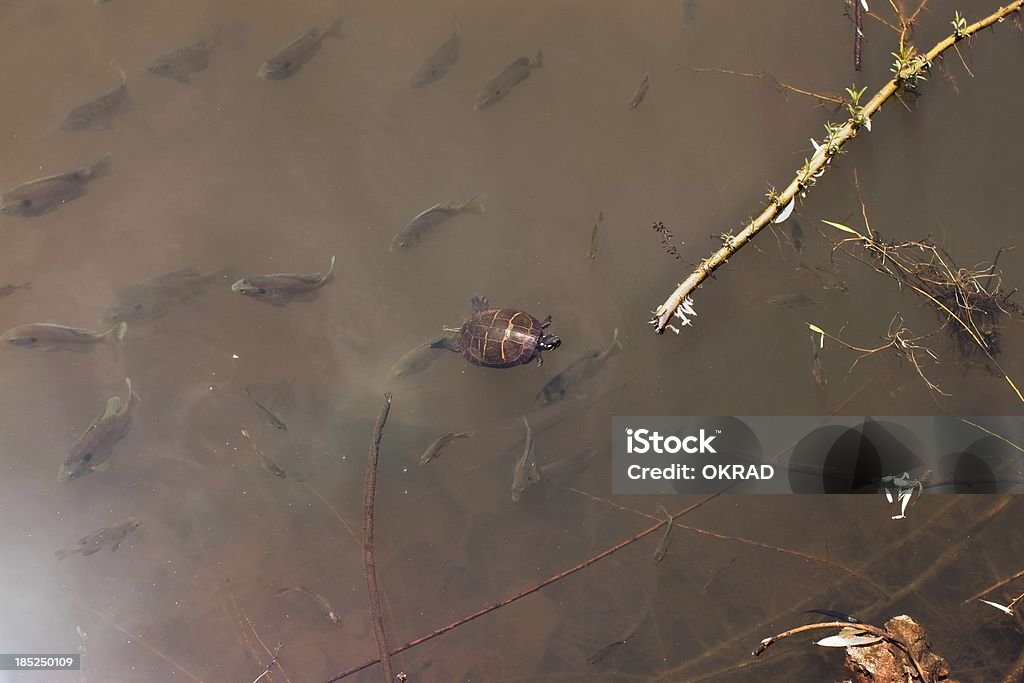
[499, 337]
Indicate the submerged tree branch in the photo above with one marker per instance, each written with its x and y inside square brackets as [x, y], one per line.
[911, 68]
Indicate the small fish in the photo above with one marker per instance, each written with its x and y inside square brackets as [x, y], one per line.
[500, 85]
[50, 337]
[417, 228]
[582, 369]
[437, 64]
[689, 11]
[817, 369]
[608, 649]
[278, 288]
[439, 445]
[154, 297]
[94, 447]
[419, 359]
[662, 550]
[559, 471]
[325, 606]
[793, 300]
[838, 616]
[525, 473]
[796, 235]
[592, 250]
[98, 540]
[826, 278]
[7, 290]
[641, 91]
[290, 58]
[96, 114]
[280, 388]
[266, 463]
[186, 60]
[37, 197]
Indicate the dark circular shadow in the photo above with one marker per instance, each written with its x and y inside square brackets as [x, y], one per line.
[743, 445]
[973, 470]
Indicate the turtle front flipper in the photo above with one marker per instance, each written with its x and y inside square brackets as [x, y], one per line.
[480, 303]
[447, 342]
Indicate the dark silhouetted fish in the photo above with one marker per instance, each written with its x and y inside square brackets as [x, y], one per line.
[181, 63]
[420, 358]
[499, 86]
[50, 337]
[525, 474]
[7, 290]
[796, 234]
[98, 112]
[290, 58]
[266, 463]
[276, 391]
[37, 197]
[418, 227]
[98, 540]
[153, 298]
[437, 64]
[825, 277]
[279, 288]
[641, 91]
[566, 383]
[793, 300]
[93, 449]
[439, 445]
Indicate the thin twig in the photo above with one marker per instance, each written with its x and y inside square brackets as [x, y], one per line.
[369, 564]
[858, 33]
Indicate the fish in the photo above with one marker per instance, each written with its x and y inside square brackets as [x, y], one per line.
[817, 369]
[559, 471]
[796, 235]
[662, 550]
[525, 474]
[153, 298]
[96, 114]
[641, 91]
[111, 536]
[608, 649]
[437, 64]
[793, 300]
[499, 86]
[417, 228]
[36, 197]
[278, 288]
[280, 388]
[50, 337]
[186, 60]
[93, 449]
[826, 278]
[439, 445]
[592, 249]
[419, 359]
[325, 606]
[582, 369]
[7, 290]
[289, 59]
[266, 463]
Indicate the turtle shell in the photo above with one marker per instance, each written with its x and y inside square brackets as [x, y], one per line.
[500, 338]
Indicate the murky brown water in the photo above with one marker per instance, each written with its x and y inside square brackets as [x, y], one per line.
[234, 171]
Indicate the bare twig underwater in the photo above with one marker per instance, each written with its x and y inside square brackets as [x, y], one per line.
[369, 562]
[909, 69]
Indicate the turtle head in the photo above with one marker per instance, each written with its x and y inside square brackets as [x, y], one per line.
[549, 342]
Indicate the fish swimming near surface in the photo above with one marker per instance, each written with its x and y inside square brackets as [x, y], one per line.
[266, 463]
[36, 197]
[97, 113]
[437, 64]
[439, 445]
[525, 474]
[279, 288]
[499, 86]
[793, 301]
[826, 278]
[641, 91]
[153, 298]
[796, 235]
[7, 290]
[566, 383]
[50, 337]
[418, 227]
[289, 59]
[186, 60]
[93, 449]
[111, 536]
[325, 607]
[277, 390]
[592, 249]
[420, 358]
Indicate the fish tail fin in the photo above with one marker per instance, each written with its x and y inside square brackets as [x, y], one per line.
[102, 167]
[131, 392]
[330, 271]
[120, 71]
[63, 553]
[616, 345]
[474, 205]
[333, 29]
[115, 335]
[538, 61]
